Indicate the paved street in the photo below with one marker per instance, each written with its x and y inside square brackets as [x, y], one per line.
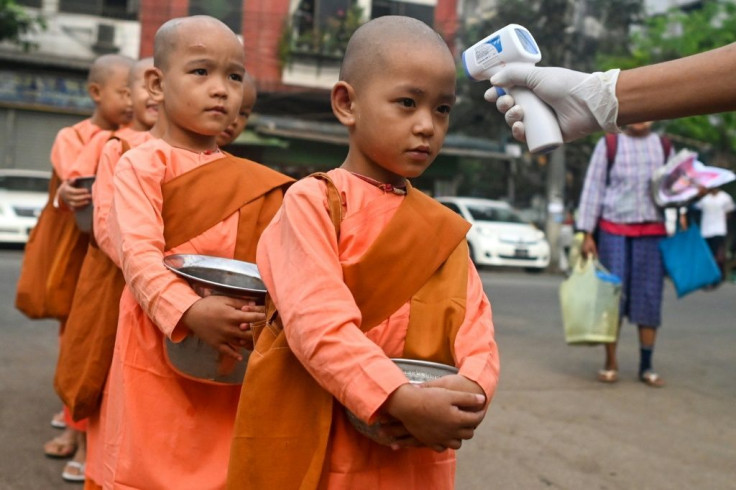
[550, 426]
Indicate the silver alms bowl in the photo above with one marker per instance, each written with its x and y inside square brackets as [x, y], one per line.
[218, 275]
[207, 276]
[418, 372]
[83, 215]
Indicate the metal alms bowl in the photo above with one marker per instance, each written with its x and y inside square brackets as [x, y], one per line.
[207, 276]
[218, 275]
[418, 372]
[83, 215]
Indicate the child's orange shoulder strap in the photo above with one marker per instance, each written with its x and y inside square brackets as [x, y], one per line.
[225, 185]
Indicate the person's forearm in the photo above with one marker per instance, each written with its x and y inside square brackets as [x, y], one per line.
[701, 84]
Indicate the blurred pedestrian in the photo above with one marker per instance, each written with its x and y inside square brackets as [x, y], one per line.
[715, 208]
[616, 201]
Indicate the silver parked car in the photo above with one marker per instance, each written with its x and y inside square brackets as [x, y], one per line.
[499, 236]
[23, 194]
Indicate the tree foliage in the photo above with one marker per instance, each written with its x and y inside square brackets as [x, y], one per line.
[676, 34]
[16, 23]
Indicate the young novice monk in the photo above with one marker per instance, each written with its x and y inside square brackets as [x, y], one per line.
[86, 348]
[236, 127]
[56, 248]
[351, 299]
[180, 194]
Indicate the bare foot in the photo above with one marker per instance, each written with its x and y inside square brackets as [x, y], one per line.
[62, 446]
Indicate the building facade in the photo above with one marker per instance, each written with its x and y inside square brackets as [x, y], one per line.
[293, 50]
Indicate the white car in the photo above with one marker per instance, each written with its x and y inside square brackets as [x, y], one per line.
[23, 194]
[499, 236]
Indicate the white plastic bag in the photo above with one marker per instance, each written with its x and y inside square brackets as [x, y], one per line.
[589, 300]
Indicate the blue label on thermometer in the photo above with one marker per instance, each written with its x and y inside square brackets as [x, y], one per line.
[496, 43]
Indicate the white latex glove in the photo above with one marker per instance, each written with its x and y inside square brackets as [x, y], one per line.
[584, 102]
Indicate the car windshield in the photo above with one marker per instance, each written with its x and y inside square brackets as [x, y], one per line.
[481, 212]
[24, 183]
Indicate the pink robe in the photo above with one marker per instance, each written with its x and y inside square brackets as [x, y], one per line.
[161, 431]
[102, 192]
[301, 267]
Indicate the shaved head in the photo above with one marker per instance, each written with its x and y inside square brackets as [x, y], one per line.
[139, 68]
[105, 65]
[382, 40]
[167, 38]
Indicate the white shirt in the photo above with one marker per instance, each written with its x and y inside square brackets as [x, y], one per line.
[714, 208]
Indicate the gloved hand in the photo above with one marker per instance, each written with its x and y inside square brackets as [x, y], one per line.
[584, 102]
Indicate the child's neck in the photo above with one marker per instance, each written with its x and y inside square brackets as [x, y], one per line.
[137, 125]
[102, 123]
[194, 143]
[383, 177]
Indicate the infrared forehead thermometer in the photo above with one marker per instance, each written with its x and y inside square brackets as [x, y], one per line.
[514, 44]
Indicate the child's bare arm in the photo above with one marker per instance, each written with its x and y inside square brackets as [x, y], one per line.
[436, 417]
[223, 323]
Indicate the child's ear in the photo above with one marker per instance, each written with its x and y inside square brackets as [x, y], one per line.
[95, 92]
[343, 103]
[155, 84]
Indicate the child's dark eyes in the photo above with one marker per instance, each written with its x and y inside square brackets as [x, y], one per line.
[237, 77]
[407, 102]
[444, 109]
[199, 71]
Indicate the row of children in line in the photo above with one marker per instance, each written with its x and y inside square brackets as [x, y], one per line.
[352, 287]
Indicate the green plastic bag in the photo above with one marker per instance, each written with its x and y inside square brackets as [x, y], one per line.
[589, 300]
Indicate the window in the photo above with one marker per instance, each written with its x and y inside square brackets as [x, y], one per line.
[24, 183]
[493, 213]
[228, 11]
[116, 9]
[320, 29]
[452, 207]
[30, 3]
[423, 12]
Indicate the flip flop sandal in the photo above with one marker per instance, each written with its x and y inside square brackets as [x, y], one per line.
[608, 375]
[59, 448]
[73, 472]
[650, 378]
[57, 421]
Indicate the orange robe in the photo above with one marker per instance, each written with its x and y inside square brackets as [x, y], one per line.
[88, 159]
[68, 145]
[38, 262]
[303, 271]
[102, 193]
[102, 190]
[161, 431]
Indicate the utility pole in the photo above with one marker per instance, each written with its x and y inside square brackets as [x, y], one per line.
[555, 203]
[556, 166]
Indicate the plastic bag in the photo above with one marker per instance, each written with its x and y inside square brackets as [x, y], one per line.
[688, 261]
[589, 300]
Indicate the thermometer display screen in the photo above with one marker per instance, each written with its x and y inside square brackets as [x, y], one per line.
[527, 41]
